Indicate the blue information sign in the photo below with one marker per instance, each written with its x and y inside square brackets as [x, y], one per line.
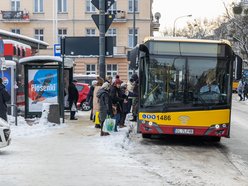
[57, 50]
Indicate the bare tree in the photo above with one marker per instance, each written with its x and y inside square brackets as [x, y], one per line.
[235, 28]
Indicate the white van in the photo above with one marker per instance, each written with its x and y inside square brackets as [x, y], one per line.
[4, 133]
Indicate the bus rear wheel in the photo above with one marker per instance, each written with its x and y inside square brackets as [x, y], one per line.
[146, 135]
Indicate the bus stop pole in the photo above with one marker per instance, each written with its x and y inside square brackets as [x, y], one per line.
[62, 102]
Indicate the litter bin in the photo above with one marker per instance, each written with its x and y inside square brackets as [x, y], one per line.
[54, 113]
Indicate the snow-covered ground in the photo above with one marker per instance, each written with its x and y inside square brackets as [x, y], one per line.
[74, 154]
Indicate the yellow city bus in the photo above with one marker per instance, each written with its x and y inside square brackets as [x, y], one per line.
[185, 86]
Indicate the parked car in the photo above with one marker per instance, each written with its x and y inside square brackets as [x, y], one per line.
[4, 133]
[83, 90]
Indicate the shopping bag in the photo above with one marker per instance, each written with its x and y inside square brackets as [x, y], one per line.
[97, 121]
[109, 125]
[73, 107]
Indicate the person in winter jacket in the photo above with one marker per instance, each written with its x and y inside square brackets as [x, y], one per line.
[98, 85]
[240, 90]
[4, 97]
[135, 82]
[103, 99]
[89, 98]
[125, 104]
[117, 100]
[245, 93]
[72, 98]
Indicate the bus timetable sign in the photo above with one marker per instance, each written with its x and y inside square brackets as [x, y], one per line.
[57, 50]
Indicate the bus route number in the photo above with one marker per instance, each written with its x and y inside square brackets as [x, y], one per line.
[164, 117]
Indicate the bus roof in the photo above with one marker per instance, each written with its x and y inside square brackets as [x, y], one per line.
[174, 39]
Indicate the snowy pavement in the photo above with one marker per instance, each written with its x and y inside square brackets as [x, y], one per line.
[74, 154]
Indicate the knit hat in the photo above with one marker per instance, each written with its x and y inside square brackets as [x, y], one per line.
[117, 82]
[106, 86]
[94, 82]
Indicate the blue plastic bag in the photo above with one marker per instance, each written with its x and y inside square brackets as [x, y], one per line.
[109, 125]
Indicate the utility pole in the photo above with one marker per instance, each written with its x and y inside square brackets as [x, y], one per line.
[134, 25]
[103, 21]
[102, 38]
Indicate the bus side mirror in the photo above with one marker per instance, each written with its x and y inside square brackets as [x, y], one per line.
[132, 57]
[238, 67]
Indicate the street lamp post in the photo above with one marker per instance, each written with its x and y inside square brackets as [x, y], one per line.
[174, 27]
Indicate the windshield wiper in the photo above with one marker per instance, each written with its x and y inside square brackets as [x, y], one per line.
[203, 102]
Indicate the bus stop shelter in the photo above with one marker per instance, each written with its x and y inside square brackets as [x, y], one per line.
[44, 83]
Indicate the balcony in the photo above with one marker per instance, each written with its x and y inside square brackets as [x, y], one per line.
[120, 51]
[15, 16]
[120, 15]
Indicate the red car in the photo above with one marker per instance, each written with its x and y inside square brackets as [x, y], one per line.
[83, 90]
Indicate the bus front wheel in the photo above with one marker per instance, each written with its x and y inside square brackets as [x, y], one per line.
[146, 135]
[215, 139]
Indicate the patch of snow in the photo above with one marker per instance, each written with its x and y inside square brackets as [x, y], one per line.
[31, 128]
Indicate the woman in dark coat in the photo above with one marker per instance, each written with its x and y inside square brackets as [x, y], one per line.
[4, 97]
[103, 99]
[72, 98]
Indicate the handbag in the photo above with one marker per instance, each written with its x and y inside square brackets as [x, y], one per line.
[73, 107]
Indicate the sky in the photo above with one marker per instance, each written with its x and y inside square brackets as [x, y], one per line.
[171, 9]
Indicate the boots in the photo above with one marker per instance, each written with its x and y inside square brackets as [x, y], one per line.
[104, 133]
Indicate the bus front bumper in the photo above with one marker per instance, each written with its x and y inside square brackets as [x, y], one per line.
[220, 130]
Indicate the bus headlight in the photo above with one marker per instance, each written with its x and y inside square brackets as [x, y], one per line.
[217, 126]
[150, 123]
[224, 126]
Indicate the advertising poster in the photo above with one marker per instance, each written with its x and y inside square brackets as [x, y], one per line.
[7, 80]
[42, 88]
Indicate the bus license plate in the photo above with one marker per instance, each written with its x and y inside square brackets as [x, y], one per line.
[184, 131]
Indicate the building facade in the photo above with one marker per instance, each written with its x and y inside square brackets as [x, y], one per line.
[48, 20]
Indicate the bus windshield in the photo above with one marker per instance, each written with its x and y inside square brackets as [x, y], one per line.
[183, 82]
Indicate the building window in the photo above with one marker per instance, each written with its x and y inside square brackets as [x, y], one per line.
[112, 32]
[90, 69]
[111, 70]
[15, 5]
[90, 32]
[39, 34]
[130, 5]
[38, 6]
[90, 7]
[61, 32]
[130, 37]
[16, 30]
[113, 7]
[62, 6]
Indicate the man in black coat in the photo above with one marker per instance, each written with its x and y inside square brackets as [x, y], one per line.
[72, 98]
[4, 97]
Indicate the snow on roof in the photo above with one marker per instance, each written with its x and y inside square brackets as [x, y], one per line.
[41, 59]
[10, 63]
[26, 39]
[85, 75]
[47, 59]
[8, 41]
